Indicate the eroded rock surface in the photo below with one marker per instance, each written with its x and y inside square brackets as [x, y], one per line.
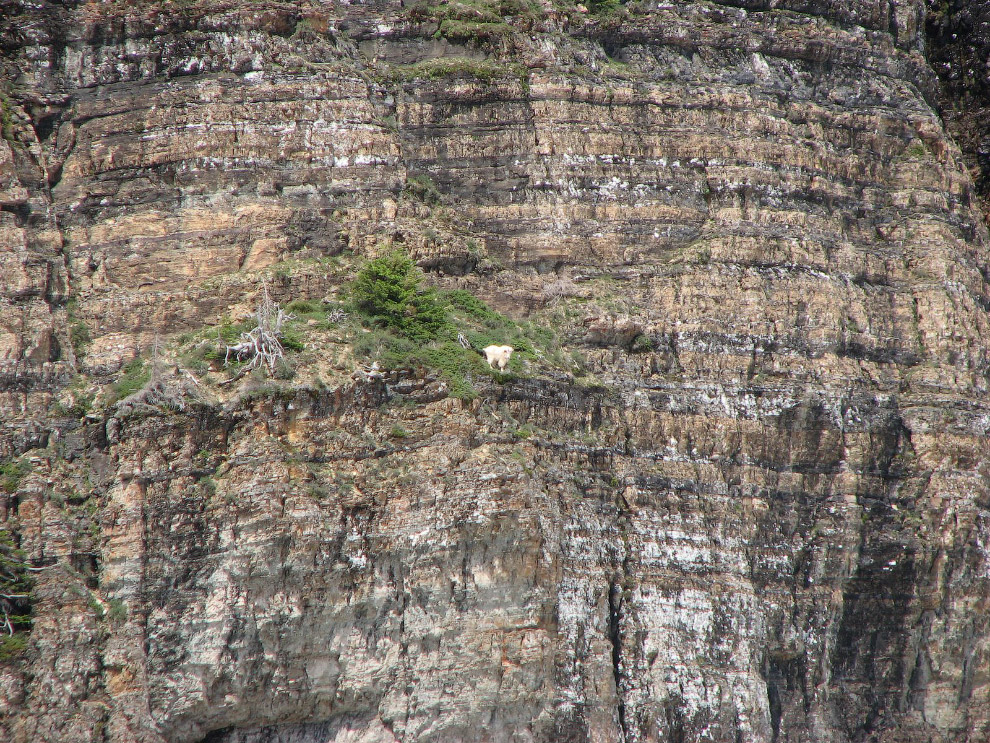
[761, 511]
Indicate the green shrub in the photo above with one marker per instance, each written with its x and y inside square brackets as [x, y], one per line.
[641, 344]
[11, 474]
[387, 290]
[291, 339]
[603, 7]
[284, 370]
[303, 307]
[12, 646]
[422, 188]
[117, 611]
[79, 336]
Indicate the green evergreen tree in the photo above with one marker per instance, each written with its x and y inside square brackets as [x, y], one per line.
[388, 291]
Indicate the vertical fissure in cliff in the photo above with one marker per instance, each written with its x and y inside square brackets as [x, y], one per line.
[615, 637]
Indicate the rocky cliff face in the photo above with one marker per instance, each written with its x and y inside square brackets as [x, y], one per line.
[739, 495]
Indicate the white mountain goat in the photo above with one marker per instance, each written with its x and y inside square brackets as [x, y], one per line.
[498, 356]
[495, 355]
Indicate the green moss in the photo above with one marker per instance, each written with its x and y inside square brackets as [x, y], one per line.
[457, 30]
[134, 376]
[6, 119]
[443, 67]
[12, 647]
[117, 611]
[12, 473]
[422, 188]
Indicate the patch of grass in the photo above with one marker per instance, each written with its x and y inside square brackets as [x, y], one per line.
[12, 473]
[603, 7]
[477, 310]
[284, 370]
[230, 332]
[457, 30]
[641, 344]
[304, 307]
[134, 376]
[95, 606]
[292, 339]
[6, 119]
[478, 12]
[422, 188]
[443, 67]
[116, 611]
[79, 336]
[12, 647]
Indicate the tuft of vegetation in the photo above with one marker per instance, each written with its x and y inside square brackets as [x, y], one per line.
[134, 376]
[422, 188]
[442, 67]
[12, 473]
[116, 611]
[478, 31]
[641, 344]
[12, 647]
[6, 119]
[80, 337]
[478, 15]
[603, 7]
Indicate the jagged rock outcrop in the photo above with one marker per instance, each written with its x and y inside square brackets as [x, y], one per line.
[757, 509]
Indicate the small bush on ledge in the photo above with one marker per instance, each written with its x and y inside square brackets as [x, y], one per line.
[387, 291]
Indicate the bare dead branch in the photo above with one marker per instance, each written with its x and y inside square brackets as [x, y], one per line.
[262, 345]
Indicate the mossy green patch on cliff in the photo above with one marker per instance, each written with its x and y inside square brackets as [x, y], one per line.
[457, 30]
[134, 376]
[12, 473]
[12, 647]
[6, 119]
[79, 334]
[443, 67]
[477, 13]
[422, 188]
